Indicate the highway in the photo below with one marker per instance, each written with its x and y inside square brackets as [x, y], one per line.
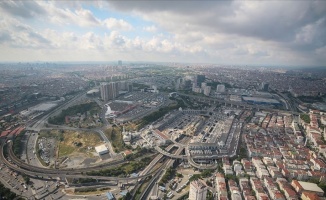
[37, 125]
[53, 173]
[169, 154]
[168, 163]
[24, 165]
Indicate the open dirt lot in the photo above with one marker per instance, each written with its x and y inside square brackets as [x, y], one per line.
[74, 147]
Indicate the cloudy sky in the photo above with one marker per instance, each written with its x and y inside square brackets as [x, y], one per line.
[263, 32]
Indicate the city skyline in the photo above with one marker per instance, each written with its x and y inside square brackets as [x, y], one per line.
[273, 33]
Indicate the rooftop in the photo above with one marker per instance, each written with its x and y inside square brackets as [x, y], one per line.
[101, 148]
[310, 187]
[259, 99]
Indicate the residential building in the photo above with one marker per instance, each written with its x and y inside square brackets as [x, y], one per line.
[198, 190]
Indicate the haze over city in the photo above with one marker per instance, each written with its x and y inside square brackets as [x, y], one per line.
[271, 33]
[162, 99]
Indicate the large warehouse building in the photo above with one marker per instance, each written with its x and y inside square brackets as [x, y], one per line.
[261, 101]
[102, 149]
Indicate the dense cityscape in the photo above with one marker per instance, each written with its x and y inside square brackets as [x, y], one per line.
[160, 99]
[161, 131]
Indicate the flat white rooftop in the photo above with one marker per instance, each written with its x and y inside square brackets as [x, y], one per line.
[310, 186]
[101, 149]
[43, 107]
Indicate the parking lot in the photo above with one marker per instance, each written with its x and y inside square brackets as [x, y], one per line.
[145, 103]
[47, 148]
[15, 182]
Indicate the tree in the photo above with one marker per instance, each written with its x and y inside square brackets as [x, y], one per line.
[305, 118]
[206, 173]
[26, 179]
[209, 183]
[194, 177]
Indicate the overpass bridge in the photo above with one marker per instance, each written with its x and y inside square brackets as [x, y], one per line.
[191, 158]
[175, 156]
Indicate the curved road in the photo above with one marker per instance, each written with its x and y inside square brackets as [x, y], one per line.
[37, 171]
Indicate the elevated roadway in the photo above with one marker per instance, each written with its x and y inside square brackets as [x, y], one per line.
[158, 175]
[24, 165]
[67, 173]
[169, 154]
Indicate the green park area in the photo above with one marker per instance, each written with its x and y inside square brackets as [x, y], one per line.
[84, 115]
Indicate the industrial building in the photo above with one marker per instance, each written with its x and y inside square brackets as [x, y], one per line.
[39, 108]
[102, 149]
[93, 92]
[261, 101]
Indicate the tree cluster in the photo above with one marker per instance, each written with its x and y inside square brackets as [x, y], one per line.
[160, 113]
[17, 144]
[124, 170]
[170, 172]
[305, 118]
[5, 193]
[71, 111]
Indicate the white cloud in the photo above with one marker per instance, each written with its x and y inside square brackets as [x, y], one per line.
[210, 31]
[19, 35]
[150, 28]
[294, 28]
[82, 17]
[64, 16]
[117, 24]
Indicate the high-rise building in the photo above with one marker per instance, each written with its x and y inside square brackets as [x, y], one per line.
[198, 190]
[113, 90]
[123, 85]
[220, 88]
[130, 87]
[104, 89]
[200, 79]
[109, 91]
[186, 84]
[178, 83]
[264, 86]
[207, 90]
[196, 89]
[203, 86]
[119, 63]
